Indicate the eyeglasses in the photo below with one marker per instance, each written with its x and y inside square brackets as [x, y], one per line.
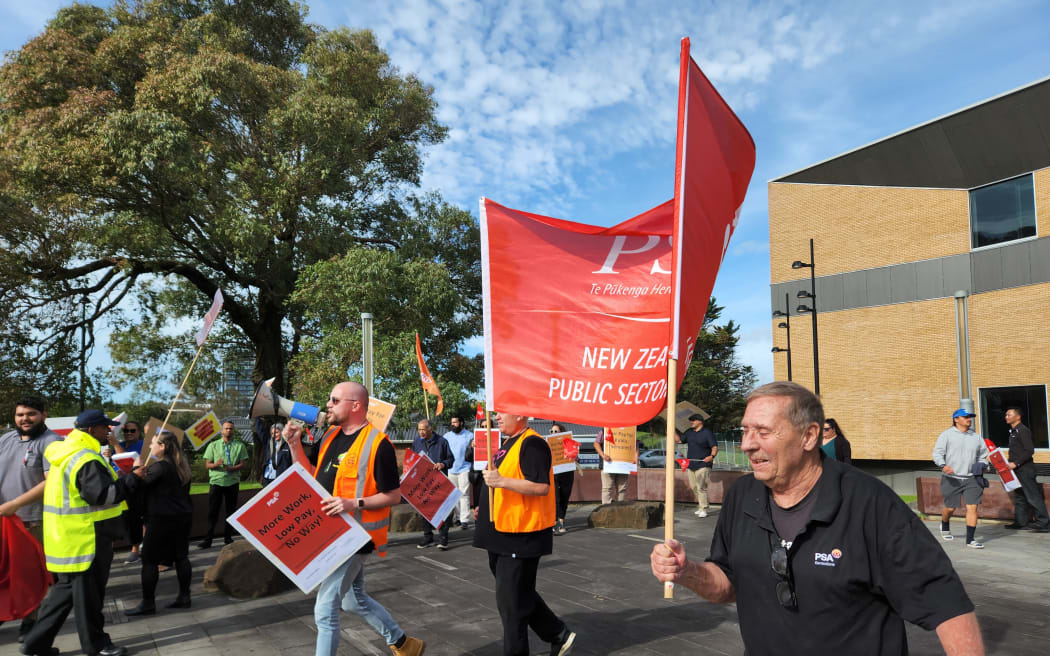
[131, 430]
[778, 561]
[338, 401]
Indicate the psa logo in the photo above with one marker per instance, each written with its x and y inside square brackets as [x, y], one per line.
[827, 559]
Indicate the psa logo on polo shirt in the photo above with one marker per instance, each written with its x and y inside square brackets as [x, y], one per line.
[827, 559]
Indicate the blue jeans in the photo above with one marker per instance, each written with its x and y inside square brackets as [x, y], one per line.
[345, 588]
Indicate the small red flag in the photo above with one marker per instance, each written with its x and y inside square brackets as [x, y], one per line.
[683, 463]
[609, 436]
[571, 448]
[481, 413]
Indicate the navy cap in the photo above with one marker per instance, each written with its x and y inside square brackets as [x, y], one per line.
[90, 418]
[962, 412]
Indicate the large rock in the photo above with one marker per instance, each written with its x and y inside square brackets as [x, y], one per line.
[242, 572]
[404, 519]
[627, 514]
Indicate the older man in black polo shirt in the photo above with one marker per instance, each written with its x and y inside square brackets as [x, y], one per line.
[1030, 493]
[820, 557]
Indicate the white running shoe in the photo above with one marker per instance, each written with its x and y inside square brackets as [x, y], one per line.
[975, 545]
[701, 513]
[947, 535]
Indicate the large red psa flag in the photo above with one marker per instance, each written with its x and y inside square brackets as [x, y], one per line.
[714, 162]
[580, 320]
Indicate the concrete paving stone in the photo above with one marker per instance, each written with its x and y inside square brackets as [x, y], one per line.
[598, 581]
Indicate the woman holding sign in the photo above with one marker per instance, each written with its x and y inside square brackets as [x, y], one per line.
[165, 483]
[562, 489]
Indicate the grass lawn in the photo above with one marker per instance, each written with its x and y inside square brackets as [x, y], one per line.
[202, 488]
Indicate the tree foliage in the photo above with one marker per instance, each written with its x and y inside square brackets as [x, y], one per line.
[716, 380]
[196, 145]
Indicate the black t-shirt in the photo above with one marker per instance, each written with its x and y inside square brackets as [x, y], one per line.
[699, 444]
[790, 522]
[862, 564]
[384, 470]
[535, 459]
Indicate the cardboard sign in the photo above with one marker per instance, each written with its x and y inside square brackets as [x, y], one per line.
[203, 430]
[286, 524]
[560, 460]
[429, 491]
[998, 460]
[620, 446]
[683, 410]
[481, 449]
[125, 462]
[153, 429]
[380, 412]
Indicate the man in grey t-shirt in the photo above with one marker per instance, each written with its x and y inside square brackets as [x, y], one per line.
[22, 471]
[956, 452]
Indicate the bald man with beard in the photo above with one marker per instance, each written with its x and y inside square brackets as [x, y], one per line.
[351, 441]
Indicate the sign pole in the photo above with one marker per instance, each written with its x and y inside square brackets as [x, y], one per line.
[672, 376]
[488, 445]
[179, 392]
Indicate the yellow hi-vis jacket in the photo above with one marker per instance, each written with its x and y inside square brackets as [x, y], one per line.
[69, 520]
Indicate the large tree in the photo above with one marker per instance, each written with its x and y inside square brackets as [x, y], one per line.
[199, 145]
[717, 381]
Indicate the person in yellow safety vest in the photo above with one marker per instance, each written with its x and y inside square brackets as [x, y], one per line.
[83, 501]
[357, 465]
[517, 532]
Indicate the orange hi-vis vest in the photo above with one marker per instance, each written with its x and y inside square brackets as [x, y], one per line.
[354, 479]
[514, 512]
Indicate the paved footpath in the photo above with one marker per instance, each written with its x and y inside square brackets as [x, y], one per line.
[597, 580]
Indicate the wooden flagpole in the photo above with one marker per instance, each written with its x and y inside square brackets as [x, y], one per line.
[426, 404]
[179, 393]
[672, 377]
[488, 444]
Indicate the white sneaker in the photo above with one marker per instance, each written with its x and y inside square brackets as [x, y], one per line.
[697, 512]
[701, 513]
[975, 545]
[947, 535]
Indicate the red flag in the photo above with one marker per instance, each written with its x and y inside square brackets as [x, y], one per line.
[23, 574]
[481, 413]
[588, 316]
[429, 385]
[683, 463]
[609, 436]
[714, 162]
[410, 458]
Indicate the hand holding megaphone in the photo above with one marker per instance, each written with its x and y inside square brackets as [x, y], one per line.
[292, 433]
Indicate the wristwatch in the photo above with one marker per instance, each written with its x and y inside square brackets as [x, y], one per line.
[360, 503]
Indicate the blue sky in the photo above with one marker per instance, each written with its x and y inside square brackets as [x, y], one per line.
[568, 109]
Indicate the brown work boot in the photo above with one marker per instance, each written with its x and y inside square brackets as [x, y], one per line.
[412, 647]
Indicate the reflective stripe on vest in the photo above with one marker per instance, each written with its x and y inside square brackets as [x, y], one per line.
[69, 520]
[522, 513]
[376, 521]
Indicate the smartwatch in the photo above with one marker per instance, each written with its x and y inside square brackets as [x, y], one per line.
[360, 503]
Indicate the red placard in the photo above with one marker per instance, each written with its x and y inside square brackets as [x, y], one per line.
[481, 453]
[287, 519]
[428, 490]
[125, 462]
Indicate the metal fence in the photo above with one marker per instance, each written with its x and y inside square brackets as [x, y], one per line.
[730, 456]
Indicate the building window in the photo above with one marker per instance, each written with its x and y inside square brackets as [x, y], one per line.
[995, 401]
[1002, 212]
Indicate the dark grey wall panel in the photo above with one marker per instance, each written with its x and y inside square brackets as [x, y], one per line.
[986, 268]
[955, 271]
[929, 279]
[855, 290]
[1015, 262]
[1039, 259]
[878, 286]
[829, 293]
[903, 283]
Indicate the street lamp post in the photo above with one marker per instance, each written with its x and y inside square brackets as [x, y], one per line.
[812, 295]
[786, 324]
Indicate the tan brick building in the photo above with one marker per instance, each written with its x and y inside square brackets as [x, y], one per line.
[932, 251]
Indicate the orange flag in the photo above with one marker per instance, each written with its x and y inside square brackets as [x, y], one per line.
[429, 385]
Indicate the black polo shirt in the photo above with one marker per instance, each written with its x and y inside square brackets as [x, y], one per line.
[863, 564]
